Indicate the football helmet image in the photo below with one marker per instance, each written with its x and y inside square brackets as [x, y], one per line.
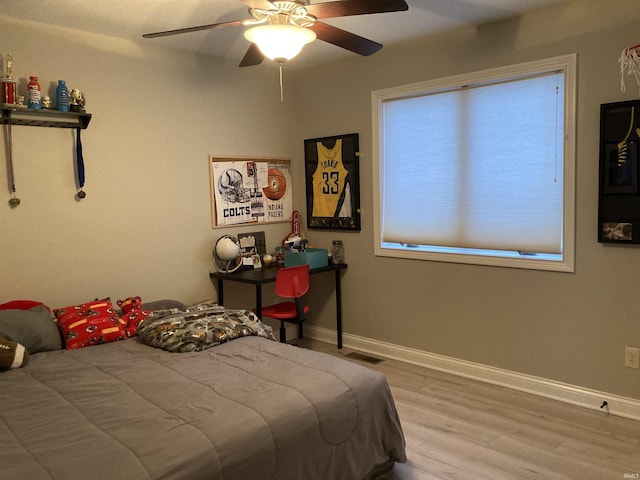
[231, 187]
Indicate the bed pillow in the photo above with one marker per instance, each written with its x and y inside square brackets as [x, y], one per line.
[34, 328]
[130, 303]
[132, 315]
[166, 304]
[90, 323]
[21, 305]
[12, 355]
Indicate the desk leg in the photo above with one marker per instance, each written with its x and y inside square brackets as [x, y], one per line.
[220, 293]
[339, 308]
[259, 301]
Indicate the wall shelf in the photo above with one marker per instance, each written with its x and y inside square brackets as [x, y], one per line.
[44, 118]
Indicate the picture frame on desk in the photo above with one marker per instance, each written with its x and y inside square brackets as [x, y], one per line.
[332, 179]
[252, 247]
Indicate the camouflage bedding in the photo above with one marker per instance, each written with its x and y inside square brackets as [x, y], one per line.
[200, 327]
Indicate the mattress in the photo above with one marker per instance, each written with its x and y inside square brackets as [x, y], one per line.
[249, 409]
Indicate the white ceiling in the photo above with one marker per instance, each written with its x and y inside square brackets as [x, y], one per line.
[129, 19]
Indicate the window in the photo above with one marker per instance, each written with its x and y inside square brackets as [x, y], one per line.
[479, 168]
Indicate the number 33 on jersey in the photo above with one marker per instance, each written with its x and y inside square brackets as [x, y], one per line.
[329, 181]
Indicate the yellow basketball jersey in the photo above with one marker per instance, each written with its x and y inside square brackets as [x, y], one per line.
[329, 180]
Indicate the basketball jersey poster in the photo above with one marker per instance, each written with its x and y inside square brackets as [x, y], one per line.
[332, 182]
[250, 191]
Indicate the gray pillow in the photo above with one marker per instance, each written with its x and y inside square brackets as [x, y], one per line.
[167, 304]
[34, 328]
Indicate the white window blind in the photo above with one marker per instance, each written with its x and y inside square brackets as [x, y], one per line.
[477, 167]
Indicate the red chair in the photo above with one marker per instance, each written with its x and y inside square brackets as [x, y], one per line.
[293, 283]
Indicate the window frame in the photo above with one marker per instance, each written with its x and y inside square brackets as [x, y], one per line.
[567, 64]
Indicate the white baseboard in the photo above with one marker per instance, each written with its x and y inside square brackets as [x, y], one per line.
[583, 397]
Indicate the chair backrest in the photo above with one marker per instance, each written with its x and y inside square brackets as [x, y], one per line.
[292, 282]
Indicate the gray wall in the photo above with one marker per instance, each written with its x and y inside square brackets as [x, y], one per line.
[567, 327]
[145, 226]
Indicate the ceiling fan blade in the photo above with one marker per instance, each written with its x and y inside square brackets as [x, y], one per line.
[341, 38]
[262, 4]
[253, 56]
[347, 8]
[194, 29]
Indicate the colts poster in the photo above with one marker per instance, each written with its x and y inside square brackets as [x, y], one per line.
[250, 190]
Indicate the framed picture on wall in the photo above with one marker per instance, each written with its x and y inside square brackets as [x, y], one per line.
[332, 175]
[248, 190]
[619, 195]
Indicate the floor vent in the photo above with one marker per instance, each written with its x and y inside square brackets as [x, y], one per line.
[364, 358]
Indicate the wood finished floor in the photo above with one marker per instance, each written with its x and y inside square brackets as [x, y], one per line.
[457, 428]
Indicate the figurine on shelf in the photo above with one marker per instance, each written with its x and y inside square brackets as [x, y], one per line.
[77, 100]
[21, 105]
[46, 102]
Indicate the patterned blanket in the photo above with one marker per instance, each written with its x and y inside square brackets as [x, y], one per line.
[199, 327]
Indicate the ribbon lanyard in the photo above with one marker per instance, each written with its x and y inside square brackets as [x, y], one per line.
[80, 164]
[14, 201]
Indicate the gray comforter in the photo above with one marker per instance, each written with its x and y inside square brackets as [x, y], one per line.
[250, 409]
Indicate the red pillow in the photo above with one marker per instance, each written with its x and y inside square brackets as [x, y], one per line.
[89, 324]
[133, 314]
[133, 320]
[21, 305]
[130, 303]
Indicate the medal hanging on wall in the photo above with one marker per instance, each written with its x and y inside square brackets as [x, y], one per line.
[9, 98]
[79, 166]
[14, 201]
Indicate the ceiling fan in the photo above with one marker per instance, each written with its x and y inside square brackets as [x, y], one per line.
[273, 20]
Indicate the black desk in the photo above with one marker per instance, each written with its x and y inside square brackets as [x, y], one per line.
[260, 276]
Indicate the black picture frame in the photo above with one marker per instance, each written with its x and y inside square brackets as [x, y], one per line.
[618, 193]
[332, 174]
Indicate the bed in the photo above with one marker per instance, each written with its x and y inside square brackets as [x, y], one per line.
[246, 409]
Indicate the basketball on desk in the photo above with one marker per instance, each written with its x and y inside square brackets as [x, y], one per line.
[277, 185]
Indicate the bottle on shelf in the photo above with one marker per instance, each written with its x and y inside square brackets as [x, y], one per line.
[35, 98]
[62, 96]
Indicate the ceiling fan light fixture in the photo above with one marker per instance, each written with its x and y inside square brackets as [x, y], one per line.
[280, 42]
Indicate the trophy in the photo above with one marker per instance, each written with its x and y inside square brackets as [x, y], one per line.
[9, 85]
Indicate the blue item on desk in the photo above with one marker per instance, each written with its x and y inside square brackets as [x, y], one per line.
[315, 257]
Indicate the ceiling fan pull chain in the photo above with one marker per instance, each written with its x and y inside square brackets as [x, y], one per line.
[281, 90]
